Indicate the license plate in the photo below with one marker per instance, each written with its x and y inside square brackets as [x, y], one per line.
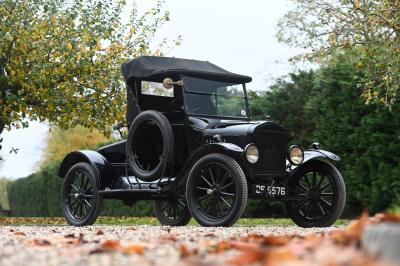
[269, 190]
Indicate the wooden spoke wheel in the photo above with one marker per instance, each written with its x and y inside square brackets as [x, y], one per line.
[172, 212]
[80, 201]
[216, 191]
[320, 194]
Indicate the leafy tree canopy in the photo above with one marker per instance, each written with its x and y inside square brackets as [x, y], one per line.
[60, 60]
[372, 27]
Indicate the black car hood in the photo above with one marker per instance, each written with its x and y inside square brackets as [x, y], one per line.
[239, 132]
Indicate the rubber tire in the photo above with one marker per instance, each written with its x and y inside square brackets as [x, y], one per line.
[339, 189]
[182, 221]
[239, 179]
[168, 145]
[98, 199]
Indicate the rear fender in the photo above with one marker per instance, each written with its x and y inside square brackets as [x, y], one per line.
[95, 159]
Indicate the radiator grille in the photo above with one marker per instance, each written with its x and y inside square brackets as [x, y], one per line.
[273, 148]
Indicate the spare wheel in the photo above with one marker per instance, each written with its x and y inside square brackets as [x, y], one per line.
[150, 145]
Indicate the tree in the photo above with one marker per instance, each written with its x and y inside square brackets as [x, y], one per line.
[287, 103]
[370, 27]
[60, 142]
[325, 106]
[60, 60]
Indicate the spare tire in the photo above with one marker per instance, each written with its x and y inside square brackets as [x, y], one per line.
[150, 145]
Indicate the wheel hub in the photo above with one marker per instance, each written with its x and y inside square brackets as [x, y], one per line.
[210, 191]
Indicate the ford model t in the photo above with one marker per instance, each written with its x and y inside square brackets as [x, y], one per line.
[192, 149]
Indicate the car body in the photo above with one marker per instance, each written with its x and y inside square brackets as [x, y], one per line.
[184, 116]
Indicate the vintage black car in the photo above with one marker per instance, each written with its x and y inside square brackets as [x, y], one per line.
[192, 149]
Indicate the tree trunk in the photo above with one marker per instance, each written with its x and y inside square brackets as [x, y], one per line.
[2, 125]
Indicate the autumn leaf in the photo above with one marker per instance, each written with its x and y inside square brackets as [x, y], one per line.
[40, 242]
[245, 258]
[18, 233]
[278, 256]
[110, 244]
[170, 237]
[99, 232]
[386, 217]
[183, 251]
[132, 248]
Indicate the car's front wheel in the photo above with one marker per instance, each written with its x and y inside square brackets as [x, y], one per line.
[319, 195]
[216, 190]
[80, 200]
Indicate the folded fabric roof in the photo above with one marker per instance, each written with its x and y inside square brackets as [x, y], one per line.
[155, 68]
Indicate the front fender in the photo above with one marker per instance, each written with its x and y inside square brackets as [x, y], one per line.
[311, 155]
[320, 154]
[95, 159]
[229, 149]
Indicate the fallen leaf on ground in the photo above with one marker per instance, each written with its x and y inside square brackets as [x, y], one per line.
[170, 237]
[183, 251]
[278, 256]
[110, 244]
[18, 233]
[40, 242]
[245, 258]
[132, 248]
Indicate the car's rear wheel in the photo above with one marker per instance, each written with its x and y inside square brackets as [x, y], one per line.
[216, 190]
[172, 212]
[80, 200]
[320, 195]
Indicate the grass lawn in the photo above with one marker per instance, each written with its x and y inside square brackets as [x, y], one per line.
[140, 221]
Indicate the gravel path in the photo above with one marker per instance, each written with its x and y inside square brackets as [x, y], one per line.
[66, 245]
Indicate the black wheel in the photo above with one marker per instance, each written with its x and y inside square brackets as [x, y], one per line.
[216, 191]
[80, 200]
[150, 145]
[320, 195]
[173, 212]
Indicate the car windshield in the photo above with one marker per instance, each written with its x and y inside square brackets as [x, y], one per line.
[215, 98]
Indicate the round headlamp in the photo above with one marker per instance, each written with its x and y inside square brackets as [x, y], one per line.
[296, 155]
[252, 153]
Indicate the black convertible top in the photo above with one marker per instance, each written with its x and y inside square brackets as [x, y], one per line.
[155, 68]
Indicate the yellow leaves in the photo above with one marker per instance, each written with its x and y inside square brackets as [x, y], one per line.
[357, 3]
[86, 37]
[332, 39]
[69, 46]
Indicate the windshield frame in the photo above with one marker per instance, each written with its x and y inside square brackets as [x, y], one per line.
[186, 107]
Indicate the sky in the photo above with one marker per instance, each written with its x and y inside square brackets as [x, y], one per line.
[234, 34]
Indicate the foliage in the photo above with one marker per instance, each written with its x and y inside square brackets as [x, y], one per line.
[60, 142]
[287, 102]
[4, 204]
[371, 27]
[325, 106]
[60, 60]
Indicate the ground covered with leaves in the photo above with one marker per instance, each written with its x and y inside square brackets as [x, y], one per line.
[189, 245]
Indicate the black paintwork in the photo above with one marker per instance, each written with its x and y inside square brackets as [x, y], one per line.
[195, 136]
